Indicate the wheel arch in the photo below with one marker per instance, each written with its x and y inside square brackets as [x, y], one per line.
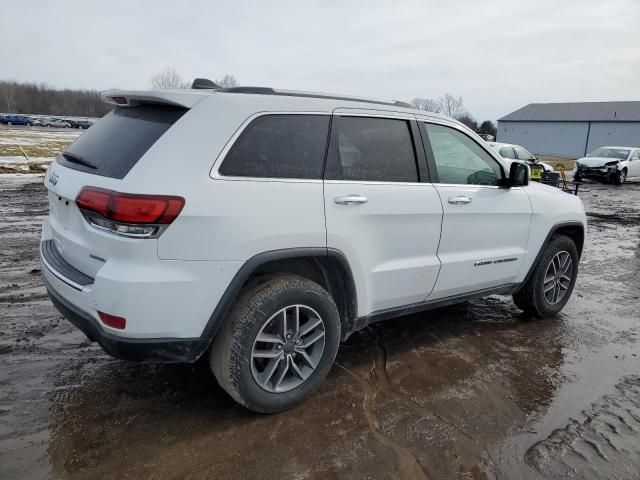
[573, 230]
[327, 267]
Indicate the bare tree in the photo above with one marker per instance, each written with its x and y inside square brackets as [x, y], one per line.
[8, 96]
[32, 98]
[427, 104]
[228, 81]
[168, 79]
[452, 106]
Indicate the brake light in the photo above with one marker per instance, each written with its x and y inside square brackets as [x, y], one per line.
[126, 213]
[112, 321]
[120, 100]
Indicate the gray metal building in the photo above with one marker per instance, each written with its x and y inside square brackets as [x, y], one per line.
[571, 129]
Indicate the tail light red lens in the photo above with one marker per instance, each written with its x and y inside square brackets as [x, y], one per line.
[112, 321]
[130, 208]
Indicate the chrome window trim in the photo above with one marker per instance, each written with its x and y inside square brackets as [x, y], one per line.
[215, 174]
[372, 182]
[345, 112]
[473, 185]
[382, 114]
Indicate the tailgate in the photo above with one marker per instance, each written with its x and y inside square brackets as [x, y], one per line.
[82, 246]
[102, 157]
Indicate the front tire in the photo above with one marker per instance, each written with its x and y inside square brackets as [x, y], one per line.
[550, 286]
[619, 177]
[277, 344]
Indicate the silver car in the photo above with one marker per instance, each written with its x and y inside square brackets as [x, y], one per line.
[55, 122]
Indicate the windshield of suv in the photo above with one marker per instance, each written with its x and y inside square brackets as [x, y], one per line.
[619, 153]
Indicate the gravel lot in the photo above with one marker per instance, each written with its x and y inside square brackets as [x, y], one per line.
[471, 391]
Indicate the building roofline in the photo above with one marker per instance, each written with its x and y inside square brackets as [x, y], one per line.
[613, 111]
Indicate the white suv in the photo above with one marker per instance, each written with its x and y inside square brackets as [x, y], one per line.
[262, 227]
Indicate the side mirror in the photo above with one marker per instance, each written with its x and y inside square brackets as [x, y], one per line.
[518, 175]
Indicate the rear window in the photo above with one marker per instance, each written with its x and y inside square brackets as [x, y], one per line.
[112, 146]
[279, 146]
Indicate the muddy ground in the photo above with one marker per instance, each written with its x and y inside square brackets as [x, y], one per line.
[471, 391]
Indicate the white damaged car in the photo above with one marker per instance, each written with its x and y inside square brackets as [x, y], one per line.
[615, 164]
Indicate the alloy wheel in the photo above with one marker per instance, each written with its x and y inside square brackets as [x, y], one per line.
[288, 348]
[557, 279]
[623, 176]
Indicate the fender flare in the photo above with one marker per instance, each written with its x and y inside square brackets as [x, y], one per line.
[233, 289]
[546, 241]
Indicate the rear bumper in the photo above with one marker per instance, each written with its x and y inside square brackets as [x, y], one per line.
[183, 350]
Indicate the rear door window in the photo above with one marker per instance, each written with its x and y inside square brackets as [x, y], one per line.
[280, 146]
[373, 149]
[113, 145]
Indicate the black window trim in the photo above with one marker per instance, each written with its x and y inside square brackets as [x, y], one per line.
[215, 174]
[418, 150]
[431, 162]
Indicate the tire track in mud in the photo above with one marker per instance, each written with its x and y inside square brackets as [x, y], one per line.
[408, 465]
[378, 382]
[381, 366]
[607, 436]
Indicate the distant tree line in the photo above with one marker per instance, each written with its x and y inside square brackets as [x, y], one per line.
[26, 98]
[453, 107]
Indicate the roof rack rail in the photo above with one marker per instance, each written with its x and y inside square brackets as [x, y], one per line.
[329, 96]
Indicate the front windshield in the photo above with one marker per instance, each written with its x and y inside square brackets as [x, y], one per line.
[619, 153]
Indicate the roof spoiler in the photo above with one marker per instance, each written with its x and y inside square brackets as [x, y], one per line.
[131, 98]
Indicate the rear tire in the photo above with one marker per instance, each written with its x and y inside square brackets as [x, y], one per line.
[278, 372]
[550, 286]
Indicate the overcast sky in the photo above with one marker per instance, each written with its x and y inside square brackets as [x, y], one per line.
[498, 55]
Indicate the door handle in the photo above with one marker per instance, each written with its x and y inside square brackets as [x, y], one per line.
[459, 200]
[350, 199]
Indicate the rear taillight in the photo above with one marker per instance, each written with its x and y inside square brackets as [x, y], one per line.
[128, 214]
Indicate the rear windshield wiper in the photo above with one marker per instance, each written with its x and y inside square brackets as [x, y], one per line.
[76, 159]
